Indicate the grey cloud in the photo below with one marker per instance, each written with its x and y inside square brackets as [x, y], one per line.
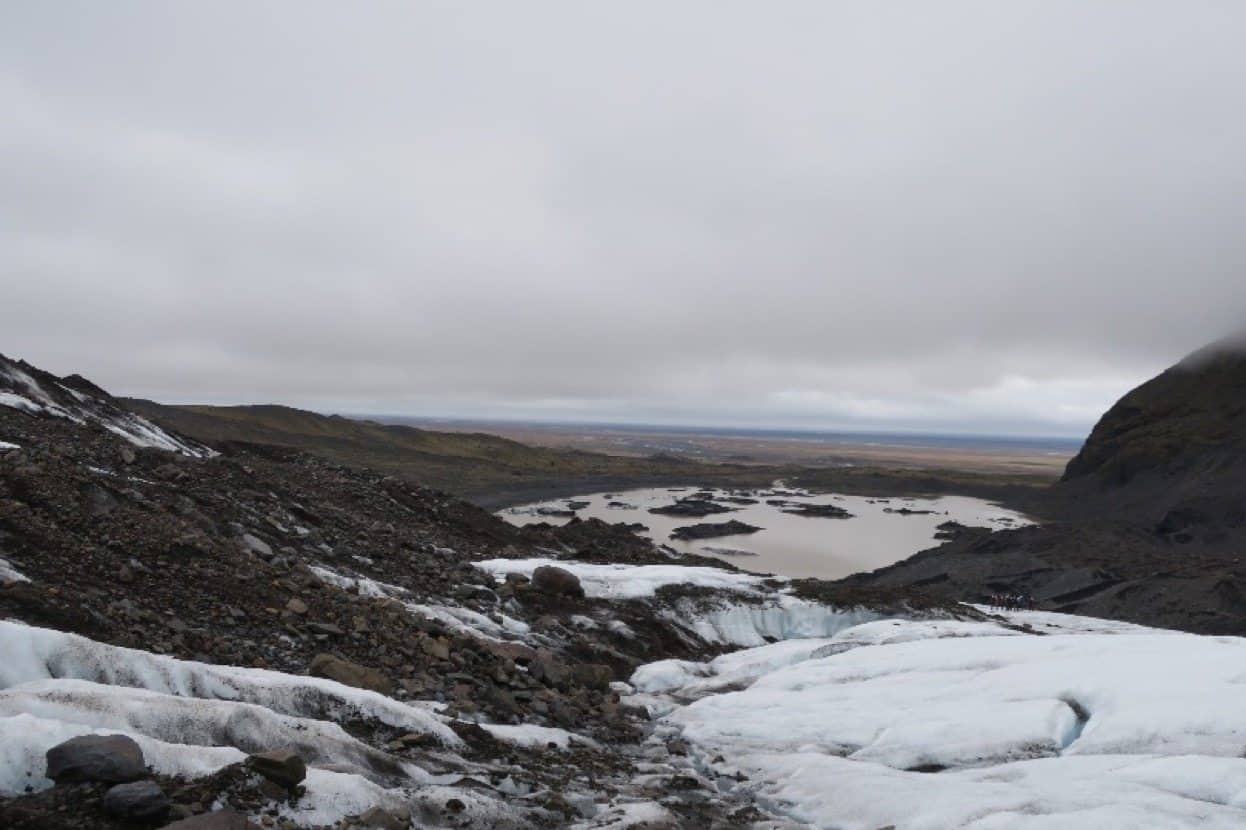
[953, 216]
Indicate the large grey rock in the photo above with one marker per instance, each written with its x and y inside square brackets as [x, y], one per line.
[136, 801]
[109, 759]
[352, 674]
[281, 766]
[219, 820]
[550, 579]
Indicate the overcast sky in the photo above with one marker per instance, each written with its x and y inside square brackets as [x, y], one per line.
[950, 216]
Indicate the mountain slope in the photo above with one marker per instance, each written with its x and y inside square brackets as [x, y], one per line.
[1172, 452]
[1148, 523]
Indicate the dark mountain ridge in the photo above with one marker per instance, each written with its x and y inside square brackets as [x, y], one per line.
[1148, 523]
[1171, 452]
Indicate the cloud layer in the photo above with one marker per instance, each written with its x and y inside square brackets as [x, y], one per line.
[953, 216]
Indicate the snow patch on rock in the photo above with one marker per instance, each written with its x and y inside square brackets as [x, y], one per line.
[27, 394]
[535, 737]
[10, 574]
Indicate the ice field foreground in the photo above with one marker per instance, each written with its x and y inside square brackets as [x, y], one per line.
[1039, 721]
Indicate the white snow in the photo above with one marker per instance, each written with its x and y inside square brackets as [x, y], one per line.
[535, 737]
[456, 618]
[620, 815]
[15, 401]
[361, 584]
[760, 616]
[778, 617]
[1046, 622]
[1100, 725]
[196, 722]
[613, 581]
[739, 668]
[10, 574]
[26, 738]
[8, 445]
[469, 622]
[332, 796]
[28, 654]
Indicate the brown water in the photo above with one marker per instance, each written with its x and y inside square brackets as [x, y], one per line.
[789, 544]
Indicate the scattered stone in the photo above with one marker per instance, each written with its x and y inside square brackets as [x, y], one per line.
[296, 606]
[281, 766]
[219, 820]
[108, 759]
[352, 674]
[550, 579]
[136, 801]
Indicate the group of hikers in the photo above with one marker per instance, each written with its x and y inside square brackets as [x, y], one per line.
[1011, 602]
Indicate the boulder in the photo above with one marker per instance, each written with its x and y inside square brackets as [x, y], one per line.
[352, 674]
[136, 801]
[108, 759]
[550, 579]
[219, 820]
[281, 766]
[383, 819]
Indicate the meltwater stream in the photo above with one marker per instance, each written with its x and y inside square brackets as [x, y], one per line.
[878, 533]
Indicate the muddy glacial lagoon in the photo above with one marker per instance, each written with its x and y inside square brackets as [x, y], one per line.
[793, 540]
